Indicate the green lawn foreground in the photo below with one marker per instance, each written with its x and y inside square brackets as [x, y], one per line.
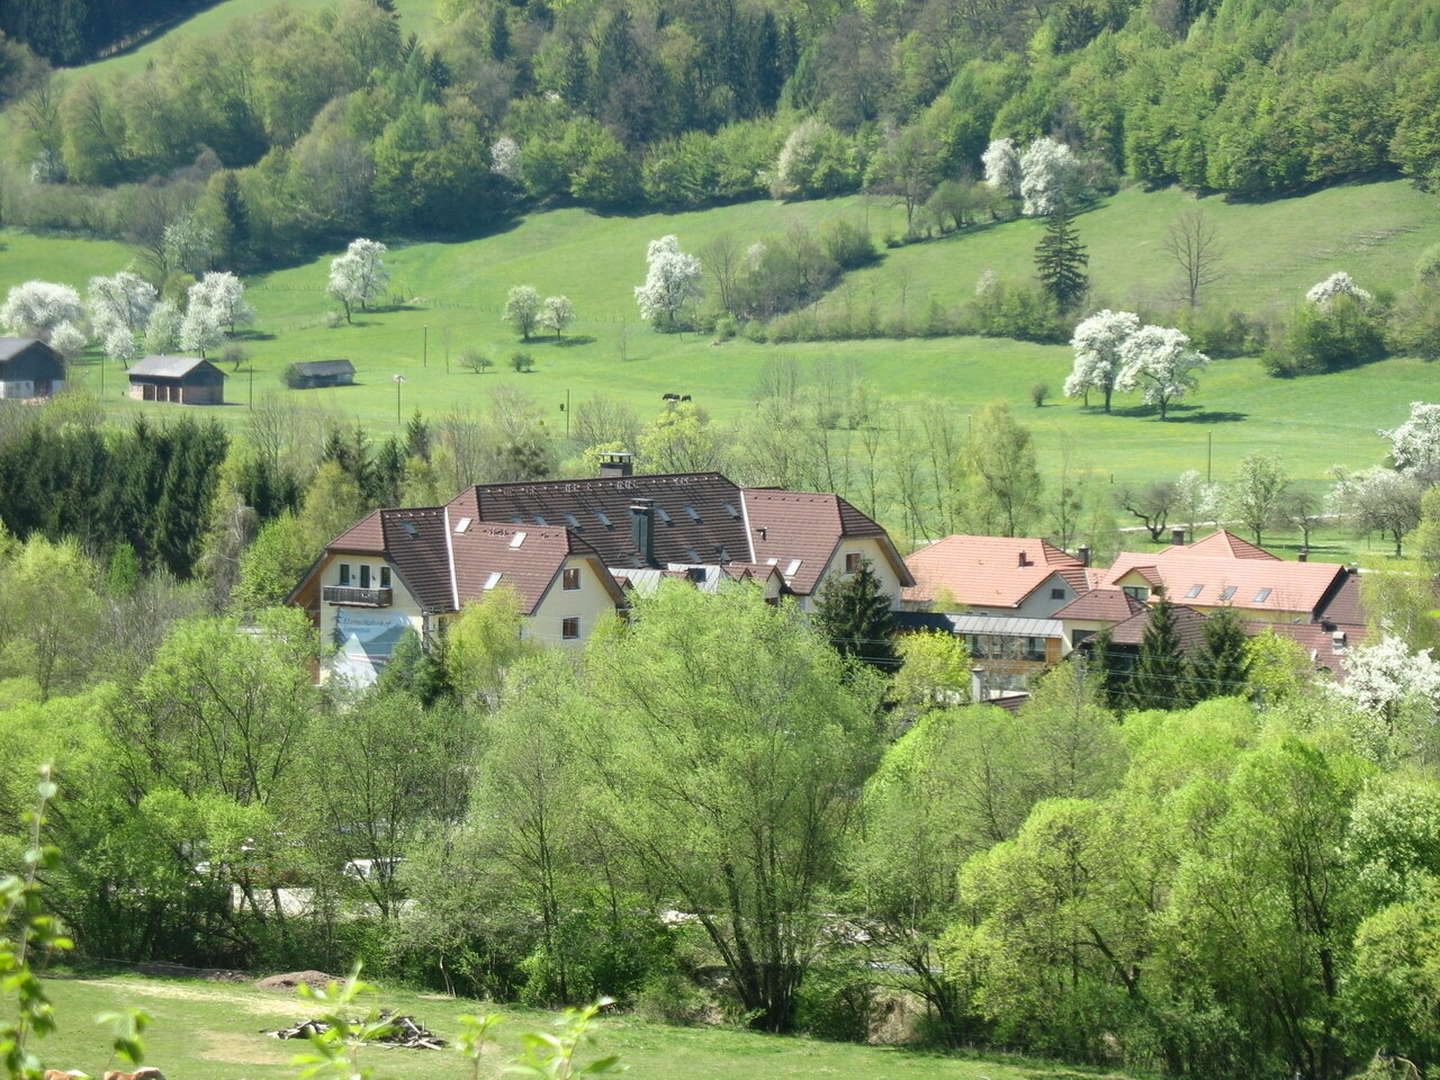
[212, 1031]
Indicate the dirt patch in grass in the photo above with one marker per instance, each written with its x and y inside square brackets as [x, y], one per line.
[237, 1049]
[185, 992]
[316, 980]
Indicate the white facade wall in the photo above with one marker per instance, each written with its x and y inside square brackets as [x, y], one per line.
[1040, 604]
[591, 603]
[869, 549]
[357, 656]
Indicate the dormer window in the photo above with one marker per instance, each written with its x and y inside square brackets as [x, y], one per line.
[1138, 592]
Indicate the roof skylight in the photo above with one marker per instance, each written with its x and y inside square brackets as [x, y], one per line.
[517, 539]
[492, 580]
[1227, 592]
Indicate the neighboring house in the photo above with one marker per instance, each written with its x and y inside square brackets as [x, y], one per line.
[403, 570]
[1094, 611]
[315, 374]
[1224, 571]
[573, 550]
[1125, 636]
[1000, 594]
[183, 380]
[29, 369]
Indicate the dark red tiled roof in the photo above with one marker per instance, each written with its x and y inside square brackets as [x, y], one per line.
[697, 516]
[1101, 605]
[489, 556]
[1319, 643]
[799, 531]
[1343, 606]
[415, 545]
[366, 535]
[1189, 627]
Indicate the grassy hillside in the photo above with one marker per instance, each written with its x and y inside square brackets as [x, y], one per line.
[415, 15]
[457, 290]
[211, 1031]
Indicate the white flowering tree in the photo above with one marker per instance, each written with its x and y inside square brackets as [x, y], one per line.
[1196, 500]
[359, 276]
[224, 294]
[189, 245]
[162, 329]
[1098, 342]
[1336, 285]
[120, 302]
[68, 340]
[1385, 678]
[201, 329]
[1377, 500]
[505, 158]
[36, 308]
[1002, 167]
[1159, 362]
[120, 346]
[1415, 444]
[672, 282]
[522, 309]
[1049, 177]
[557, 313]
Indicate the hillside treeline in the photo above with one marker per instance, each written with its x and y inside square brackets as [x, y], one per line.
[339, 123]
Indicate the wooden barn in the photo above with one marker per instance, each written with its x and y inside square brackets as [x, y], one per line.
[183, 380]
[314, 374]
[29, 368]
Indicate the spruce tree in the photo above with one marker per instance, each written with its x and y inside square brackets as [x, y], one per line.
[1102, 659]
[1060, 260]
[1160, 680]
[1222, 666]
[234, 230]
[854, 615]
[499, 33]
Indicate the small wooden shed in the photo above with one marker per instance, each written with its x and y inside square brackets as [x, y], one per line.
[313, 374]
[183, 380]
[29, 368]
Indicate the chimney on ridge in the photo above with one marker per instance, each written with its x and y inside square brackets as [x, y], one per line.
[1177, 537]
[1083, 554]
[642, 528]
[619, 463]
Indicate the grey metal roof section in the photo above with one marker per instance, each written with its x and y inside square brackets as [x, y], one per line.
[325, 367]
[12, 346]
[1006, 626]
[166, 367]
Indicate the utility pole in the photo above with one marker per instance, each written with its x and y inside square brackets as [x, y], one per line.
[399, 382]
[425, 347]
[1209, 455]
[566, 410]
[446, 335]
[252, 384]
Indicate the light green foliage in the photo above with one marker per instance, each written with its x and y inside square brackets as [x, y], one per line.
[691, 823]
[682, 439]
[336, 1051]
[934, 671]
[1002, 493]
[50, 613]
[483, 642]
[1395, 607]
[550, 1056]
[1392, 992]
[1279, 669]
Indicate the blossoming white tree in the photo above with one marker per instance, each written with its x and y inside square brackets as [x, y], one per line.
[522, 309]
[1049, 177]
[1377, 500]
[122, 301]
[505, 158]
[1337, 284]
[1383, 678]
[224, 294]
[1158, 361]
[1415, 444]
[120, 347]
[672, 281]
[1097, 342]
[359, 276]
[1002, 167]
[162, 329]
[558, 313]
[36, 308]
[68, 340]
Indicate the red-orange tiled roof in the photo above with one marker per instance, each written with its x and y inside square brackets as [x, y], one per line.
[1239, 582]
[986, 571]
[1223, 544]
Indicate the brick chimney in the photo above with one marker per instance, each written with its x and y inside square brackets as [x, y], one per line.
[1024, 559]
[1177, 537]
[620, 463]
[1303, 556]
[642, 528]
[1083, 554]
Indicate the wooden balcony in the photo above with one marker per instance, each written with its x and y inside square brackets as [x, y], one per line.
[344, 594]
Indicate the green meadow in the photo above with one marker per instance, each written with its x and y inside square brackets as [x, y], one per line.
[213, 1031]
[446, 300]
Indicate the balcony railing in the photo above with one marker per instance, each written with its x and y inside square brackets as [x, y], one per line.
[343, 594]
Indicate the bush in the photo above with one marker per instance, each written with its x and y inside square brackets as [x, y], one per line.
[726, 328]
[1220, 333]
[836, 1005]
[522, 362]
[334, 320]
[1415, 322]
[669, 997]
[1038, 393]
[1341, 334]
[233, 355]
[476, 361]
[849, 245]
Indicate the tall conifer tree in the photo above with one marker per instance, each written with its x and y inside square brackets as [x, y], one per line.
[1060, 260]
[854, 615]
[1161, 678]
[1222, 666]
